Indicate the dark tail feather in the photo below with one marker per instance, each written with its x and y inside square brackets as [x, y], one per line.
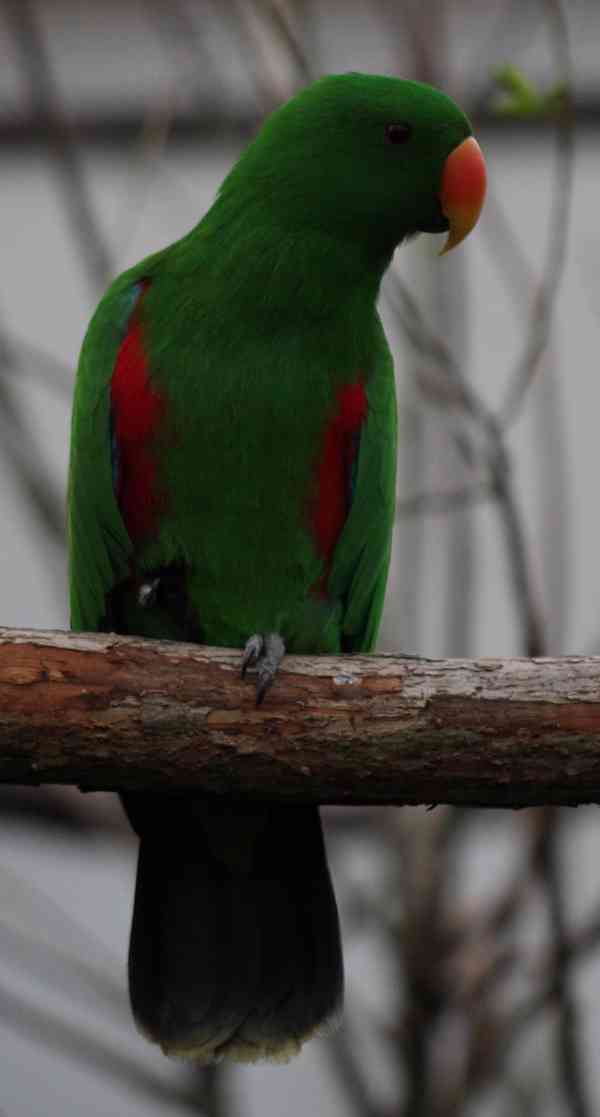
[235, 946]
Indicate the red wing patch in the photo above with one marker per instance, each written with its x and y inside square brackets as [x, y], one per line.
[137, 411]
[335, 468]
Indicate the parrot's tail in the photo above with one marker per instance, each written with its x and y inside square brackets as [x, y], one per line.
[235, 944]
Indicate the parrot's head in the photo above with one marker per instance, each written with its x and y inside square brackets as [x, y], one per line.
[368, 156]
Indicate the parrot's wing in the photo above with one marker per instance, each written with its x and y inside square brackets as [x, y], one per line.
[99, 545]
[361, 558]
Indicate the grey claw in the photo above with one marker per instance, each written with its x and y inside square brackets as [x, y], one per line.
[266, 652]
[252, 652]
[273, 653]
[147, 592]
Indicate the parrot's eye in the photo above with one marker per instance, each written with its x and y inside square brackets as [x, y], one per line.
[397, 133]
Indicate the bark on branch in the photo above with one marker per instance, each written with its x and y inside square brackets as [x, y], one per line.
[107, 711]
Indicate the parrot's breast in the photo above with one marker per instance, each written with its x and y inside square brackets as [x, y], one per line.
[234, 469]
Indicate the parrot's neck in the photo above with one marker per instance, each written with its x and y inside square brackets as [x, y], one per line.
[284, 269]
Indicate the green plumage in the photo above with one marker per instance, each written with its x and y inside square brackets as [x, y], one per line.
[252, 325]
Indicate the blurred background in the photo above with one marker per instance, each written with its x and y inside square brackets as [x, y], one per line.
[471, 937]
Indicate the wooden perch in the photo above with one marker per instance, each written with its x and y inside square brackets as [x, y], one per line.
[107, 711]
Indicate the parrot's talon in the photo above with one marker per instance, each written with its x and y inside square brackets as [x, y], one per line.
[268, 663]
[252, 652]
[148, 592]
[266, 653]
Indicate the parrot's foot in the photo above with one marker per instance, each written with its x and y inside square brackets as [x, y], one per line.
[265, 653]
[148, 592]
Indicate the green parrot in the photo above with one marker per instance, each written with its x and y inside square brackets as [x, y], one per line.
[232, 482]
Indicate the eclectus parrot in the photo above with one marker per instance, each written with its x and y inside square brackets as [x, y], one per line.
[232, 482]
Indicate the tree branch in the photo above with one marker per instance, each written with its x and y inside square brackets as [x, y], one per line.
[107, 711]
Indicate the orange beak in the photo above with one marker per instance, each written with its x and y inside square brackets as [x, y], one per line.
[463, 190]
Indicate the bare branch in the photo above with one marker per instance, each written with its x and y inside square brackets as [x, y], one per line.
[108, 711]
[352, 1079]
[20, 453]
[481, 445]
[567, 1047]
[271, 87]
[575, 948]
[45, 101]
[442, 503]
[20, 357]
[543, 306]
[67, 1038]
[275, 13]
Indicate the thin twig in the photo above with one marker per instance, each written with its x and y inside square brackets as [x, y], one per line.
[530, 617]
[574, 949]
[421, 942]
[53, 1033]
[572, 1075]
[21, 453]
[212, 1098]
[46, 105]
[190, 62]
[489, 450]
[443, 503]
[23, 358]
[274, 12]
[31, 905]
[543, 306]
[59, 967]
[270, 90]
[569, 1054]
[458, 393]
[494, 920]
[180, 35]
[345, 1065]
[506, 251]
